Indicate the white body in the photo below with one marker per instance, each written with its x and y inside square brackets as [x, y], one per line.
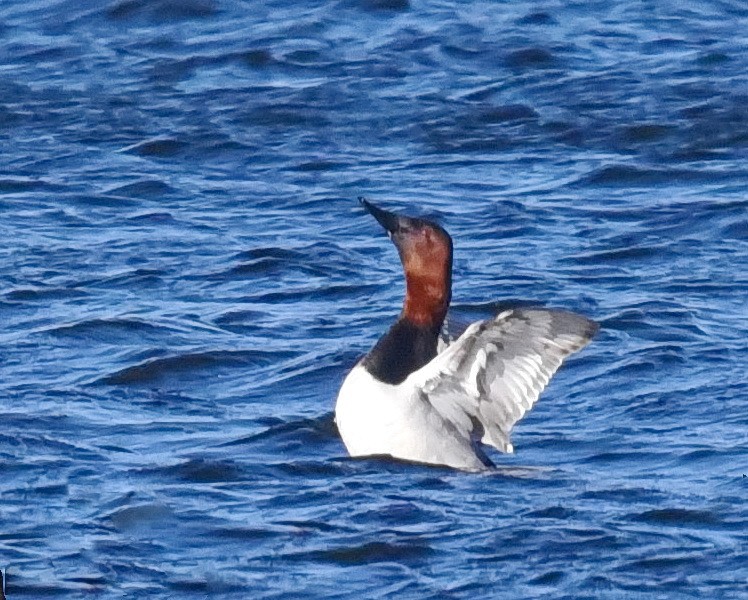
[376, 418]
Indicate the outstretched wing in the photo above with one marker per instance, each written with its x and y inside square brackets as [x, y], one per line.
[493, 374]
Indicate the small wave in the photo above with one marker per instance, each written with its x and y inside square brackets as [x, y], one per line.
[320, 166]
[255, 58]
[39, 294]
[165, 147]
[664, 563]
[461, 51]
[240, 320]
[627, 175]
[551, 578]
[162, 10]
[327, 469]
[158, 369]
[210, 585]
[313, 260]
[623, 495]
[621, 254]
[306, 58]
[382, 5]
[371, 552]
[452, 142]
[736, 231]
[51, 53]
[552, 512]
[537, 18]
[152, 217]
[286, 116]
[314, 293]
[173, 70]
[672, 323]
[247, 534]
[201, 470]
[89, 580]
[311, 431]
[106, 328]
[616, 457]
[16, 185]
[713, 59]
[17, 586]
[678, 517]
[312, 525]
[115, 449]
[142, 189]
[510, 112]
[650, 362]
[272, 252]
[255, 267]
[134, 277]
[646, 132]
[141, 515]
[50, 489]
[530, 58]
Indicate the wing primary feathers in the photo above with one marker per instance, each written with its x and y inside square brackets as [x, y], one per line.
[494, 373]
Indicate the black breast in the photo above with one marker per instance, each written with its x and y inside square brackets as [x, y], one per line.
[405, 348]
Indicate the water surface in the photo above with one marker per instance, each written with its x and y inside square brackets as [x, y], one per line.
[185, 279]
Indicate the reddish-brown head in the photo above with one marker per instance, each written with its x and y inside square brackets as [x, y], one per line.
[425, 250]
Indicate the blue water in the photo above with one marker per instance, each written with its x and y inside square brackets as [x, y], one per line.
[186, 277]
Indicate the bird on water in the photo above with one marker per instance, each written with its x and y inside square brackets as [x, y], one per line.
[413, 400]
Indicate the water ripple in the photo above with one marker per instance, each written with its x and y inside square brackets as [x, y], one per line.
[155, 370]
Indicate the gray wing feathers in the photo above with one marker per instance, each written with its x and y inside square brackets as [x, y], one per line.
[452, 328]
[493, 374]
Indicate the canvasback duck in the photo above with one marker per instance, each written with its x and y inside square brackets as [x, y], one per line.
[412, 400]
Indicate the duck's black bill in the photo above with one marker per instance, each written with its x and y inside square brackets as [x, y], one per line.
[388, 220]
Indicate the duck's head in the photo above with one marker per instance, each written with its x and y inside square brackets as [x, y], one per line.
[425, 250]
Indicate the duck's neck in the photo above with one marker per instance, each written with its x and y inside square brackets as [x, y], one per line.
[405, 348]
[412, 341]
[427, 300]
